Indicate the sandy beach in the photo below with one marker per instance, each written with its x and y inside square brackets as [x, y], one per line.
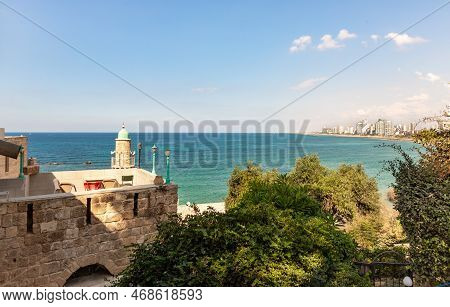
[378, 137]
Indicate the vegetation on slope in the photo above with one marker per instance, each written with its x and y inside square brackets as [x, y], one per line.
[275, 235]
[422, 191]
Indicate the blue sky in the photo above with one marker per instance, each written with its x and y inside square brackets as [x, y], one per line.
[219, 60]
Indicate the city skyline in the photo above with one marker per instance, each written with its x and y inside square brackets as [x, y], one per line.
[229, 61]
[385, 127]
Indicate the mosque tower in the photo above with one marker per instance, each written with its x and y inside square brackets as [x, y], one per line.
[122, 157]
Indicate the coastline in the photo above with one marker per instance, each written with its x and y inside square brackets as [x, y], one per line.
[378, 137]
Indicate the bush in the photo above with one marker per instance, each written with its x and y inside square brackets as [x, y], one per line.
[347, 193]
[422, 191]
[276, 235]
[239, 182]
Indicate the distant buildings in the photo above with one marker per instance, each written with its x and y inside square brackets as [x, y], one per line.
[444, 120]
[381, 127]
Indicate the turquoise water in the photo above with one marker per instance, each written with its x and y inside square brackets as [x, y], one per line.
[201, 163]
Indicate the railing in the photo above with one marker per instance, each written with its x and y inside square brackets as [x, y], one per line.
[387, 273]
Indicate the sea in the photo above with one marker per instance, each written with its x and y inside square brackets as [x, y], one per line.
[201, 164]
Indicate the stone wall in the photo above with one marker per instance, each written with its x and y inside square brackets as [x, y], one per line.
[13, 168]
[64, 237]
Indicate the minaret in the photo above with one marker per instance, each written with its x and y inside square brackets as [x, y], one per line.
[122, 157]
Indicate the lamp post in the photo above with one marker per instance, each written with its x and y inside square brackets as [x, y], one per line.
[154, 149]
[167, 153]
[139, 154]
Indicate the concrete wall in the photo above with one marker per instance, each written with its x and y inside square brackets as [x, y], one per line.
[62, 240]
[14, 164]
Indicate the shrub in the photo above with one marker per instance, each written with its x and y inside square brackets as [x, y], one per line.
[347, 193]
[276, 235]
[422, 191]
[240, 179]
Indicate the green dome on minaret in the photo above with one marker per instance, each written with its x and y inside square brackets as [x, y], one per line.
[123, 133]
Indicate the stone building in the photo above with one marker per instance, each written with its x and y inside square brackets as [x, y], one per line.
[10, 168]
[52, 225]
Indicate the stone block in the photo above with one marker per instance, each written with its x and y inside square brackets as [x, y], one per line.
[3, 209]
[11, 232]
[106, 198]
[7, 220]
[21, 219]
[12, 207]
[57, 204]
[49, 226]
[118, 226]
[77, 211]
[50, 267]
[115, 207]
[71, 233]
[57, 235]
[121, 196]
[62, 213]
[98, 208]
[112, 217]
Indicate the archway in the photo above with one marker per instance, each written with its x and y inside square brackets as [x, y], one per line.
[95, 275]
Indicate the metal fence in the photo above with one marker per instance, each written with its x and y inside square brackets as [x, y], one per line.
[387, 273]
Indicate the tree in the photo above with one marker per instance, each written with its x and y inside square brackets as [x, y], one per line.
[422, 191]
[240, 179]
[276, 235]
[346, 193]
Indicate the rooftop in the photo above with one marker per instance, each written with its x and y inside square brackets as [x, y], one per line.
[54, 184]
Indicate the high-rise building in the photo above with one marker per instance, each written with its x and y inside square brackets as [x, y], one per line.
[380, 127]
[360, 127]
[388, 128]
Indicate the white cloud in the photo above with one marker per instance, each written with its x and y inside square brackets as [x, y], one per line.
[345, 34]
[328, 43]
[415, 106]
[428, 77]
[362, 112]
[204, 90]
[364, 44]
[419, 98]
[375, 37]
[308, 83]
[300, 43]
[404, 39]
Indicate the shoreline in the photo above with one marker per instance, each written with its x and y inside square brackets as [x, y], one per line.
[378, 137]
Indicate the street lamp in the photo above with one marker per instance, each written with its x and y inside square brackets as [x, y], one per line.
[154, 150]
[167, 153]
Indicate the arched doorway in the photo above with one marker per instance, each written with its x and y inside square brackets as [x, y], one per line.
[95, 275]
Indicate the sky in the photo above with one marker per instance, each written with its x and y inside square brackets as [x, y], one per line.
[219, 60]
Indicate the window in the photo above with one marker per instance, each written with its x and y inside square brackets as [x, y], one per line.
[135, 204]
[30, 218]
[88, 212]
[6, 164]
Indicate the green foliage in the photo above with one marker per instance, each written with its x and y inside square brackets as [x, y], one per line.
[423, 200]
[240, 180]
[346, 193]
[437, 154]
[274, 236]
